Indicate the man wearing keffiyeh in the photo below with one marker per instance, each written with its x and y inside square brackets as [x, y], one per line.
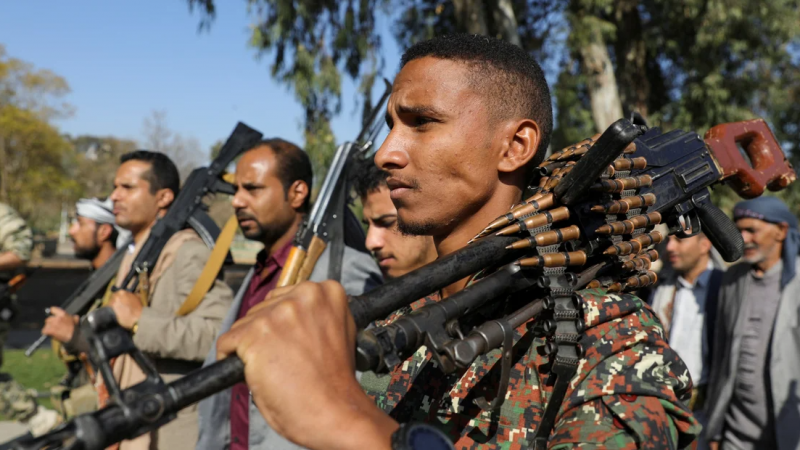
[753, 390]
[95, 237]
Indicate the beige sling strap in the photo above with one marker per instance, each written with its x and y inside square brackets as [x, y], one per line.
[211, 269]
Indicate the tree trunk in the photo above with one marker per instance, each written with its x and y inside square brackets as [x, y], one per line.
[504, 21]
[471, 17]
[634, 83]
[601, 82]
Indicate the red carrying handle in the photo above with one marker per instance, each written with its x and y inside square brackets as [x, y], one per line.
[768, 166]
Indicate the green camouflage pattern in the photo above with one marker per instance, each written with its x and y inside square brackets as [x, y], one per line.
[16, 402]
[627, 393]
[15, 236]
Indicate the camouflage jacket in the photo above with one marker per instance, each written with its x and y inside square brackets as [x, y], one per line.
[627, 393]
[15, 236]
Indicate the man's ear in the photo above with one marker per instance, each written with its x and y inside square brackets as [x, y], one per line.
[522, 141]
[104, 231]
[164, 198]
[297, 194]
[783, 229]
[705, 244]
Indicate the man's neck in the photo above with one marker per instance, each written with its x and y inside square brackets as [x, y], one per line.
[106, 250]
[692, 275]
[140, 234]
[274, 247]
[499, 204]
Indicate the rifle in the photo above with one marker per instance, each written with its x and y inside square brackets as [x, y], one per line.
[87, 293]
[326, 220]
[645, 177]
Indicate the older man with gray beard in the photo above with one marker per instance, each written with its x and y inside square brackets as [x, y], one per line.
[754, 397]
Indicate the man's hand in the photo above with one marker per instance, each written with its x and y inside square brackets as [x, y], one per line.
[298, 350]
[127, 306]
[60, 325]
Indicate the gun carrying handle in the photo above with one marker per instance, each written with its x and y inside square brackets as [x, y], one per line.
[720, 230]
[292, 267]
[767, 166]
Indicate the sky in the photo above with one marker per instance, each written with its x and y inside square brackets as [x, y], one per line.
[125, 59]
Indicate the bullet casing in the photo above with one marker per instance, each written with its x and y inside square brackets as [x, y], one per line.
[630, 163]
[623, 184]
[539, 220]
[624, 205]
[627, 226]
[555, 260]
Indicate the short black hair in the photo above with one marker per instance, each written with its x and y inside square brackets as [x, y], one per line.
[112, 238]
[162, 174]
[510, 77]
[367, 177]
[293, 165]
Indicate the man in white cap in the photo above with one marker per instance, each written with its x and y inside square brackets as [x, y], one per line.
[95, 237]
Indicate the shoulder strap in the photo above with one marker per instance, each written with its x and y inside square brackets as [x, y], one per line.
[211, 269]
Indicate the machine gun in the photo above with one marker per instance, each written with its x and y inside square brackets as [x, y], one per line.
[606, 194]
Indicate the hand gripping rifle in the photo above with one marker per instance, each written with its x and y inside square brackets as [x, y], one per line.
[186, 211]
[605, 194]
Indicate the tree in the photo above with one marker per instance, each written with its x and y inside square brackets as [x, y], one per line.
[96, 160]
[33, 154]
[690, 65]
[184, 152]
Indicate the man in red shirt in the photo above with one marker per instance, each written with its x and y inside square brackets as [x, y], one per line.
[273, 181]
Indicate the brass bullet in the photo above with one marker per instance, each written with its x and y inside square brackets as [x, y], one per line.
[631, 148]
[546, 201]
[555, 260]
[539, 220]
[624, 248]
[545, 238]
[643, 280]
[609, 172]
[622, 184]
[636, 264]
[555, 179]
[624, 205]
[630, 163]
[627, 226]
[635, 245]
[593, 284]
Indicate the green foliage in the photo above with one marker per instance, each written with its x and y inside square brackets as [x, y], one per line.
[690, 64]
[33, 154]
[41, 371]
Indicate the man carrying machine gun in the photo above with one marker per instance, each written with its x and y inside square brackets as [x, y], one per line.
[580, 363]
[470, 118]
[145, 186]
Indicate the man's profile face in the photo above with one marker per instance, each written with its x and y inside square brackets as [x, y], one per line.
[439, 155]
[262, 208]
[83, 233]
[686, 254]
[135, 207]
[397, 254]
[761, 239]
